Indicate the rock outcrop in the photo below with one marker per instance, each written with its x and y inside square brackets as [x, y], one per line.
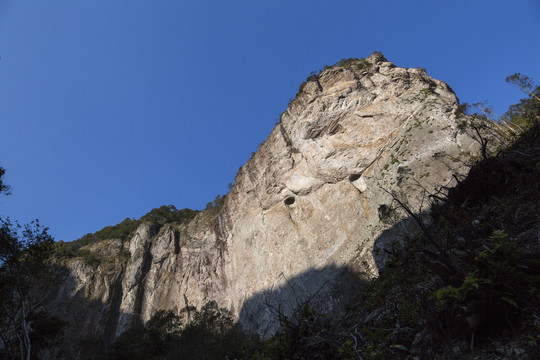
[308, 213]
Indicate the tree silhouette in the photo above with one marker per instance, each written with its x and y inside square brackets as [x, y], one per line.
[25, 277]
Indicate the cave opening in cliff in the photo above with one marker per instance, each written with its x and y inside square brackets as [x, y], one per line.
[289, 201]
[354, 177]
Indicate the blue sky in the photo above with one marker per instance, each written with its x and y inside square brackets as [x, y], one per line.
[111, 108]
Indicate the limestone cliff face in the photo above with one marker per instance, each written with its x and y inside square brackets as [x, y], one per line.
[305, 210]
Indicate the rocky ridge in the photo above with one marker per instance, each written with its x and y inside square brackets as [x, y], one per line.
[306, 212]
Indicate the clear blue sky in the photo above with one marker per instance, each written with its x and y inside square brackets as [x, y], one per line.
[111, 108]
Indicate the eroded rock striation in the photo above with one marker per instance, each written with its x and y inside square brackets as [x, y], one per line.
[308, 213]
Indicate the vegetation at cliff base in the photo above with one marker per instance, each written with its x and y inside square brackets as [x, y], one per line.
[208, 333]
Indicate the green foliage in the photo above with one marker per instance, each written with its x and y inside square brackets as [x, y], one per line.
[314, 76]
[347, 62]
[216, 205]
[138, 343]
[25, 278]
[47, 331]
[125, 253]
[119, 231]
[165, 321]
[499, 282]
[527, 112]
[347, 351]
[64, 250]
[29, 245]
[3, 187]
[168, 214]
[158, 216]
[378, 343]
[525, 83]
[306, 334]
[358, 65]
[207, 333]
[459, 294]
[89, 258]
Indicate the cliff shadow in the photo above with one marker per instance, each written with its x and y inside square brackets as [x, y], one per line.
[327, 290]
[330, 290]
[90, 325]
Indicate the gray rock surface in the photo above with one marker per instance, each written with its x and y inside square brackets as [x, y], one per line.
[304, 214]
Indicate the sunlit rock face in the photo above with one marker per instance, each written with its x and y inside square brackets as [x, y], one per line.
[304, 215]
[360, 131]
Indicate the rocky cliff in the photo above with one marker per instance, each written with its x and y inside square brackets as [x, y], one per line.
[308, 214]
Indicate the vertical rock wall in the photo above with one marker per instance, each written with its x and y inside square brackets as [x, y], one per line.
[305, 211]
